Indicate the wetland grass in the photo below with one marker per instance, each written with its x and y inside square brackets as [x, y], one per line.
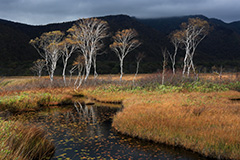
[197, 115]
[24, 142]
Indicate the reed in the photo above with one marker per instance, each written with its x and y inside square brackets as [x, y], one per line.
[24, 142]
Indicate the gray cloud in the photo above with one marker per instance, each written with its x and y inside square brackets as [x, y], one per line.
[50, 11]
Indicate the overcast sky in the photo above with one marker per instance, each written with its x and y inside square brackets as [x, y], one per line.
[50, 11]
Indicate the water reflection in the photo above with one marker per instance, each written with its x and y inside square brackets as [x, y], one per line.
[85, 132]
[85, 113]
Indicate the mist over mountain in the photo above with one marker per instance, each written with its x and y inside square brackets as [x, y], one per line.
[220, 47]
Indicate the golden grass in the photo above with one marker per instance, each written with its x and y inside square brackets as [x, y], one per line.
[215, 76]
[24, 142]
[207, 123]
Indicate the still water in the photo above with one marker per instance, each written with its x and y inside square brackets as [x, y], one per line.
[84, 132]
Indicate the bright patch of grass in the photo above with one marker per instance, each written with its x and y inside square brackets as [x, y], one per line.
[32, 100]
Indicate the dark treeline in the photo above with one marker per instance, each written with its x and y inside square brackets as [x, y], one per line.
[220, 48]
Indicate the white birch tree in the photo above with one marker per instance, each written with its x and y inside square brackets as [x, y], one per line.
[190, 35]
[79, 65]
[48, 47]
[95, 63]
[54, 38]
[68, 46]
[175, 40]
[139, 57]
[89, 34]
[124, 42]
[41, 45]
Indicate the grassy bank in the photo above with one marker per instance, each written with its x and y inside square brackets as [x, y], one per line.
[203, 119]
[34, 100]
[24, 142]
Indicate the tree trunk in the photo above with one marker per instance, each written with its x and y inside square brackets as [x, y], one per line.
[185, 64]
[121, 69]
[88, 67]
[63, 73]
[51, 76]
[173, 67]
[79, 77]
[95, 68]
[39, 73]
[136, 72]
[193, 68]
[174, 59]
[188, 71]
[52, 69]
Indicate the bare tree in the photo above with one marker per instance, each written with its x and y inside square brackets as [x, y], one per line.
[190, 35]
[124, 42]
[165, 59]
[48, 47]
[95, 63]
[79, 63]
[89, 34]
[71, 71]
[38, 66]
[175, 39]
[139, 57]
[68, 46]
[41, 45]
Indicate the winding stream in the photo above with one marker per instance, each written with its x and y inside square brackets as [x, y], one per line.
[85, 132]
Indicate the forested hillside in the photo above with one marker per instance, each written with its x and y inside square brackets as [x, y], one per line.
[220, 47]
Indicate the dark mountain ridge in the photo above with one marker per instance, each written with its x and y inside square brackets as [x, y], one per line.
[221, 46]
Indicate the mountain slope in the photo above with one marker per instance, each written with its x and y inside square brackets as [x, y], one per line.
[221, 46]
[108, 63]
[235, 26]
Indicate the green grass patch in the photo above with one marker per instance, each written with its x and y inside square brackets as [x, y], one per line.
[32, 100]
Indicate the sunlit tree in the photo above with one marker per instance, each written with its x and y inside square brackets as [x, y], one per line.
[89, 34]
[78, 65]
[67, 47]
[190, 35]
[47, 46]
[124, 42]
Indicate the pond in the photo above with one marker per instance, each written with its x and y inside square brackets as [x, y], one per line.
[84, 132]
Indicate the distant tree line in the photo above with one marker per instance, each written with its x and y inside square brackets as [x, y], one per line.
[86, 38]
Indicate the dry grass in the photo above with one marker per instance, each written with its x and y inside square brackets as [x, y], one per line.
[224, 76]
[24, 142]
[207, 123]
